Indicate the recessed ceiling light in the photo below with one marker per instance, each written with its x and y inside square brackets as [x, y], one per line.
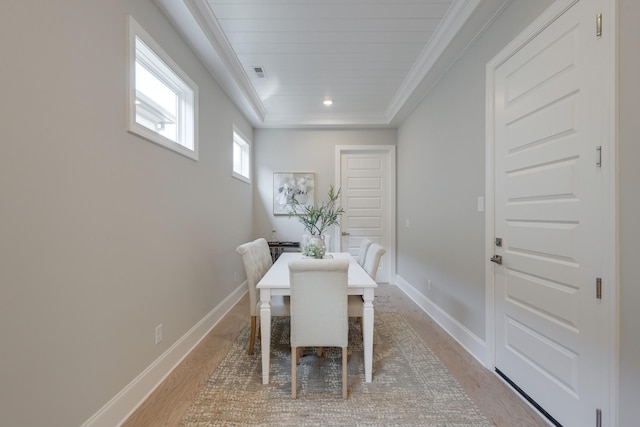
[327, 102]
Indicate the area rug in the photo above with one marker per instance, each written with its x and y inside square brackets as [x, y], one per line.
[410, 385]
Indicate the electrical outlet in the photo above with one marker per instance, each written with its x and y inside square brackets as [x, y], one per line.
[159, 334]
[429, 284]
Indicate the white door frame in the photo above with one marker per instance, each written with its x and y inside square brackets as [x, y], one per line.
[389, 150]
[610, 293]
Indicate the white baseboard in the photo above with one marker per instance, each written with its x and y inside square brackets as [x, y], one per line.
[122, 405]
[467, 339]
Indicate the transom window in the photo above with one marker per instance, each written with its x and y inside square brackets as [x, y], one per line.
[241, 157]
[162, 98]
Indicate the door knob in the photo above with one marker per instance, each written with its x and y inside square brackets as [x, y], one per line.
[346, 233]
[496, 258]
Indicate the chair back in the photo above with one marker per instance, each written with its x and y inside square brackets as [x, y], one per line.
[319, 302]
[257, 261]
[372, 260]
[362, 253]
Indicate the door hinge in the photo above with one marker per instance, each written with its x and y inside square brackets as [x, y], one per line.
[599, 25]
[599, 156]
[598, 288]
[598, 417]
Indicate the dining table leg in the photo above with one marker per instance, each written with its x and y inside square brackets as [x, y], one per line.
[265, 332]
[367, 332]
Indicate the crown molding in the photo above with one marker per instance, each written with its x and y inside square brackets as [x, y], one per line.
[475, 26]
[452, 23]
[194, 20]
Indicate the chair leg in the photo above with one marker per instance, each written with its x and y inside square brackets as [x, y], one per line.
[344, 372]
[320, 351]
[252, 335]
[294, 361]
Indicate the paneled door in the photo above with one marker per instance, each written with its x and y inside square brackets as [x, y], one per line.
[366, 177]
[548, 130]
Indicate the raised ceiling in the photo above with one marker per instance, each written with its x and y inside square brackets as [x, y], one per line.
[278, 60]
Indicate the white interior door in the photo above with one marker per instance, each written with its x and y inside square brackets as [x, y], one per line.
[365, 183]
[549, 117]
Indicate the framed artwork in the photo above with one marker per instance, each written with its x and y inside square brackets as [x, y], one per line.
[287, 185]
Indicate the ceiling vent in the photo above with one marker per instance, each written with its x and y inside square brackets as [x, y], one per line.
[260, 73]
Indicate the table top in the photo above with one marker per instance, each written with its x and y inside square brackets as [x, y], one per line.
[278, 274]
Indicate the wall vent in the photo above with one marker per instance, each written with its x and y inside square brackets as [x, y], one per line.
[260, 73]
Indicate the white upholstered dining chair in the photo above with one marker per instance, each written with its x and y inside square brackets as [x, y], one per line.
[355, 301]
[319, 316]
[362, 253]
[372, 260]
[256, 257]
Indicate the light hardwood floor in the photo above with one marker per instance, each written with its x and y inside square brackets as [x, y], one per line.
[502, 406]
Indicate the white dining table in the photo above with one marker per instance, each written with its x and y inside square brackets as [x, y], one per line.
[276, 282]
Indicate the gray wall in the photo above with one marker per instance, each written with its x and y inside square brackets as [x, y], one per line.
[103, 235]
[629, 155]
[441, 175]
[300, 150]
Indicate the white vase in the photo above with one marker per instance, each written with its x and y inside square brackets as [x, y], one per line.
[327, 241]
[317, 240]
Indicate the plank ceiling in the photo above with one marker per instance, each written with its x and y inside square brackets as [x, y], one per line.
[280, 59]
